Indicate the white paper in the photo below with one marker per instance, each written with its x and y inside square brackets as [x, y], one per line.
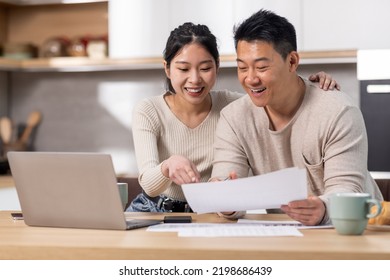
[225, 230]
[281, 224]
[237, 230]
[176, 227]
[266, 191]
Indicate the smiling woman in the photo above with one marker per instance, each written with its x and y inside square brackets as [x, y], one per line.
[173, 133]
[194, 70]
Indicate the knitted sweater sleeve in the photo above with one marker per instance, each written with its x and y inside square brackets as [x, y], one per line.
[145, 135]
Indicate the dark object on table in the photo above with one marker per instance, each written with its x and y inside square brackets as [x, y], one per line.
[177, 219]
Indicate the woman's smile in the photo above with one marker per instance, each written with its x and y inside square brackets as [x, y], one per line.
[192, 91]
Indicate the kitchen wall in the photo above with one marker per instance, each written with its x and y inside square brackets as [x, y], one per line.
[3, 92]
[91, 111]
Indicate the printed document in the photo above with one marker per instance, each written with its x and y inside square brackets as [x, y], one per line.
[225, 230]
[266, 191]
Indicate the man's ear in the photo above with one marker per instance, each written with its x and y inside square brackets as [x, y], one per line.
[167, 70]
[293, 58]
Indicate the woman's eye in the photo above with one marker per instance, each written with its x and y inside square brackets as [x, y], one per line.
[206, 69]
[183, 69]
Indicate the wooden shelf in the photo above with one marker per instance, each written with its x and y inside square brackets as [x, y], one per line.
[84, 64]
[329, 57]
[78, 64]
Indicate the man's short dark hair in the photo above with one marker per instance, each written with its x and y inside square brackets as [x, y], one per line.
[269, 27]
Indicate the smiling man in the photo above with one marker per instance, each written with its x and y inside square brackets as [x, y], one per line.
[285, 121]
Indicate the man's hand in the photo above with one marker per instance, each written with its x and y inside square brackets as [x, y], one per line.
[232, 175]
[309, 212]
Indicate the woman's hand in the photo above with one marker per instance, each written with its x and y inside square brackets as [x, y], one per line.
[180, 170]
[325, 81]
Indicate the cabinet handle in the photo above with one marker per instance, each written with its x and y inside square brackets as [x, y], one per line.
[378, 88]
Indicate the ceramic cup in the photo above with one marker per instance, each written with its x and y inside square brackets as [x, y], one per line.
[123, 192]
[350, 212]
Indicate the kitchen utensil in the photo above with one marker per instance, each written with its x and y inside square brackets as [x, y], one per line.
[5, 130]
[32, 121]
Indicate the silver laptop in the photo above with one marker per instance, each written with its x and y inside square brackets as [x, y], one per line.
[71, 190]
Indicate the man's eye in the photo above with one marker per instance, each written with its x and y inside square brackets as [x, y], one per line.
[262, 68]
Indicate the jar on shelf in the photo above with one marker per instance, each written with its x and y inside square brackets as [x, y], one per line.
[77, 47]
[55, 47]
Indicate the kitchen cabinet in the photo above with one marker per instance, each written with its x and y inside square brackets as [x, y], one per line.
[218, 15]
[140, 28]
[36, 23]
[137, 28]
[347, 24]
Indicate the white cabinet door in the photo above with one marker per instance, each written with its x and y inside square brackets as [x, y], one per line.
[137, 28]
[347, 24]
[374, 24]
[216, 14]
[221, 15]
[140, 28]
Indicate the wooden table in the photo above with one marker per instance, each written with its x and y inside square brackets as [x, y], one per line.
[18, 241]
[6, 181]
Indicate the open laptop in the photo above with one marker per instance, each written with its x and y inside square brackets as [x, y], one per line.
[71, 190]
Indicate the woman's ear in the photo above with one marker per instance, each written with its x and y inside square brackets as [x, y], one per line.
[167, 70]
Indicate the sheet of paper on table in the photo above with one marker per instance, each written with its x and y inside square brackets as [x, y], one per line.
[225, 230]
[266, 191]
[288, 223]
